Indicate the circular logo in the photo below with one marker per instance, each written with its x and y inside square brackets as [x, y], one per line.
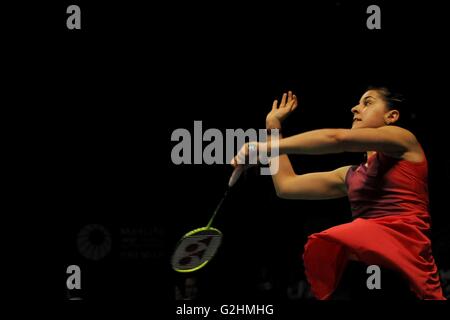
[94, 242]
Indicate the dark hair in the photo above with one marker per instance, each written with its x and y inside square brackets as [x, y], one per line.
[395, 101]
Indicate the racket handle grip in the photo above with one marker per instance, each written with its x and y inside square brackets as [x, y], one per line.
[235, 175]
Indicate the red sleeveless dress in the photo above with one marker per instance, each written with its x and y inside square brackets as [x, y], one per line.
[389, 204]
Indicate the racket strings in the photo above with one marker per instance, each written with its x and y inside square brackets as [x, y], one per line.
[196, 250]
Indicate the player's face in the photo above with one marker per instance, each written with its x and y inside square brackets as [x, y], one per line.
[370, 111]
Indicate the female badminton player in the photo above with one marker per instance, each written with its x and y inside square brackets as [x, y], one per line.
[388, 195]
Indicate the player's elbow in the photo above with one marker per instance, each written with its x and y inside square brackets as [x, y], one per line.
[281, 192]
[282, 195]
[288, 193]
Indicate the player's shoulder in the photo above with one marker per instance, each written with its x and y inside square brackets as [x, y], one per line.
[399, 132]
[413, 151]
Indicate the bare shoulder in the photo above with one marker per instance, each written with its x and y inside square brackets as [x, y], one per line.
[399, 132]
[414, 152]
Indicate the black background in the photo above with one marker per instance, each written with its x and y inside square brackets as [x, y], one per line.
[109, 96]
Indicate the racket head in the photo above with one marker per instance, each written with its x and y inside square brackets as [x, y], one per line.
[195, 249]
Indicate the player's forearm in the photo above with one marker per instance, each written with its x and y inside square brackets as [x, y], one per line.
[320, 141]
